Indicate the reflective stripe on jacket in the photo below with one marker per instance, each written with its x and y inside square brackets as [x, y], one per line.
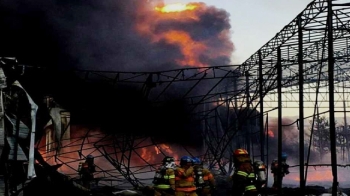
[166, 180]
[244, 177]
[165, 186]
[169, 177]
[185, 189]
[250, 187]
[162, 186]
[251, 175]
[184, 180]
[242, 173]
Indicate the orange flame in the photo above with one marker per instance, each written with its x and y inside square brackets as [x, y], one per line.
[148, 156]
[270, 133]
[178, 7]
[192, 50]
[157, 150]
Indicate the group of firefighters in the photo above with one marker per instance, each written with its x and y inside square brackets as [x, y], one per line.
[191, 178]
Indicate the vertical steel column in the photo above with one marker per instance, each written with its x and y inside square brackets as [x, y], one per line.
[331, 98]
[279, 93]
[345, 130]
[248, 121]
[261, 116]
[18, 121]
[267, 145]
[235, 90]
[2, 121]
[301, 105]
[344, 106]
[235, 107]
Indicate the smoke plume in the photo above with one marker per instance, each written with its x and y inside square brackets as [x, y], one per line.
[290, 145]
[115, 35]
[122, 35]
[290, 141]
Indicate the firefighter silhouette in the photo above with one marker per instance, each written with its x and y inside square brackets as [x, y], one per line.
[204, 179]
[260, 170]
[86, 171]
[243, 177]
[284, 169]
[164, 178]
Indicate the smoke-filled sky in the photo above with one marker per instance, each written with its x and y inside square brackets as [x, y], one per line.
[255, 22]
[121, 35]
[114, 35]
[101, 34]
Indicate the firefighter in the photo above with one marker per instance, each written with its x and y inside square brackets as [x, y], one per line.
[164, 178]
[243, 177]
[86, 171]
[184, 178]
[275, 168]
[260, 174]
[204, 179]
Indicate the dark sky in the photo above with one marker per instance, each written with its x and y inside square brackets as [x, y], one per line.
[101, 35]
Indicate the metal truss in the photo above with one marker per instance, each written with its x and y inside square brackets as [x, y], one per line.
[207, 93]
[311, 25]
[302, 64]
[307, 62]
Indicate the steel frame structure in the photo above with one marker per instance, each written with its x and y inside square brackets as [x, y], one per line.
[154, 85]
[306, 63]
[311, 50]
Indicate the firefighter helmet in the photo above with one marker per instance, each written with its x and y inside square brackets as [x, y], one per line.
[186, 160]
[240, 152]
[168, 159]
[284, 155]
[196, 161]
[169, 162]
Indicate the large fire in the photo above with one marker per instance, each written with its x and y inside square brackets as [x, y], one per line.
[156, 153]
[178, 7]
[83, 141]
[185, 27]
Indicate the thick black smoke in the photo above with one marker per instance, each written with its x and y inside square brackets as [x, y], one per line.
[80, 34]
[100, 35]
[103, 35]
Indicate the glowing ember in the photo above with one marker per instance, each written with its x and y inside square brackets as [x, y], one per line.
[178, 7]
[270, 133]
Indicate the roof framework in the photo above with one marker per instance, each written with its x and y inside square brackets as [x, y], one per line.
[293, 65]
[303, 41]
